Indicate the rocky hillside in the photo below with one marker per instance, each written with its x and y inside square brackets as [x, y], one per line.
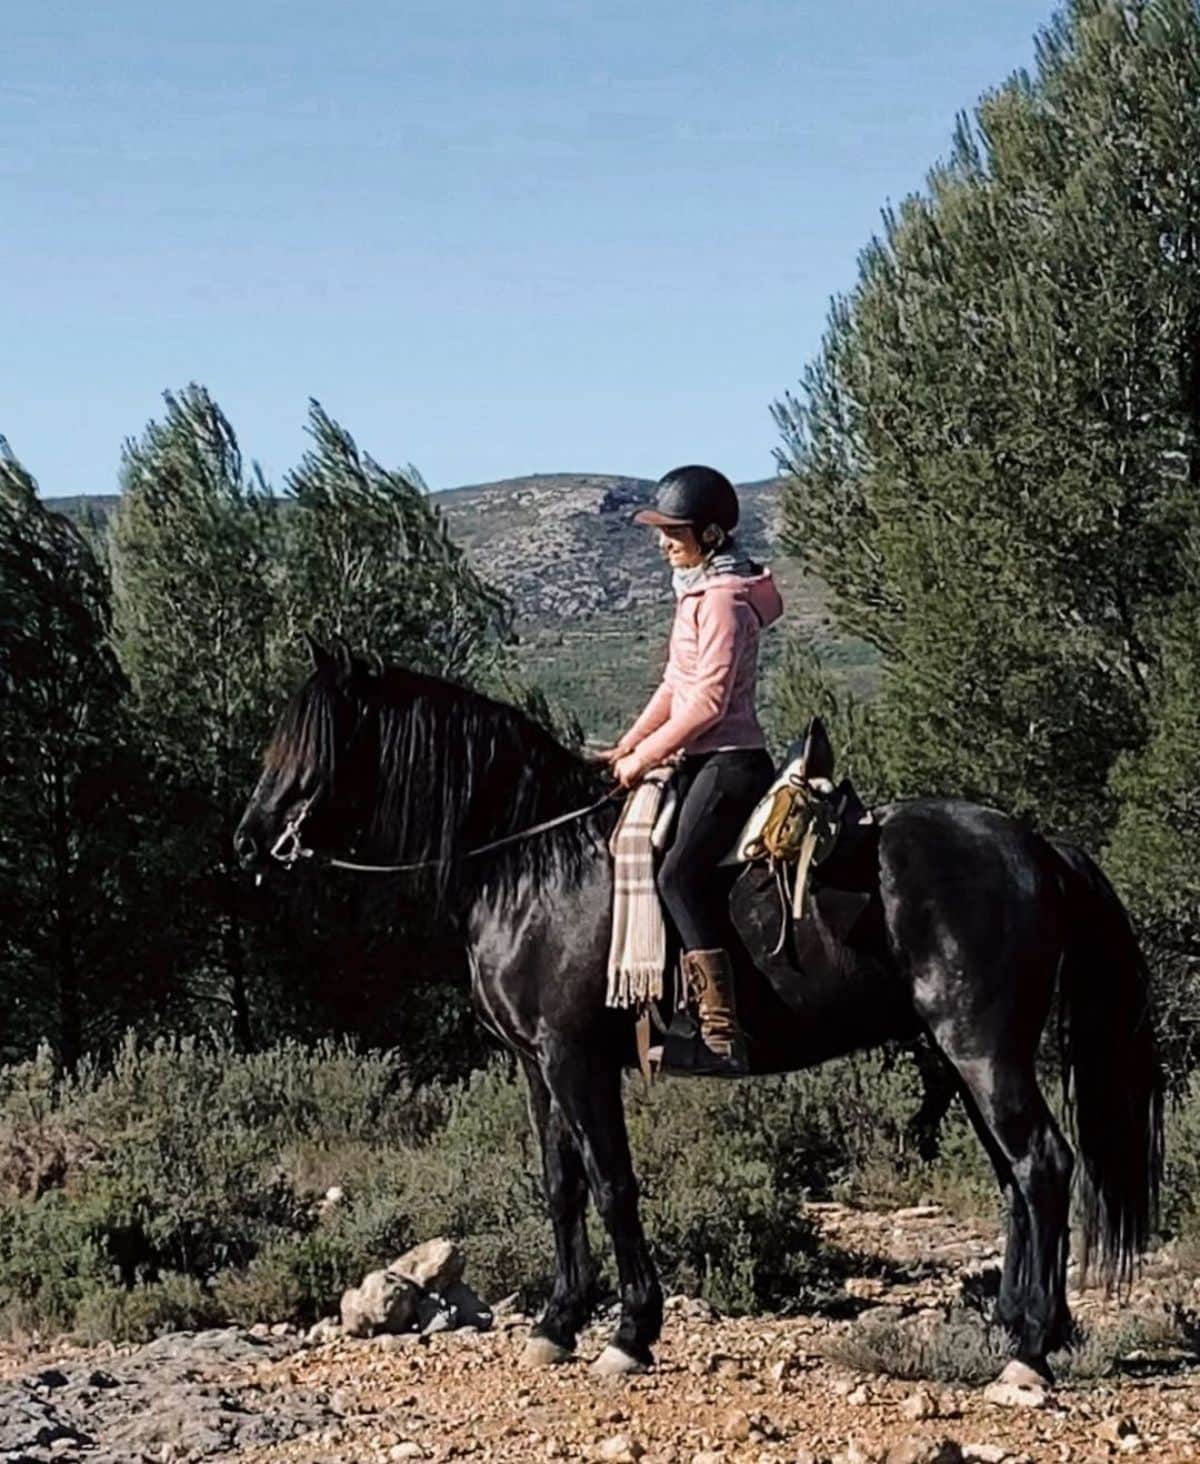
[592, 595]
[561, 544]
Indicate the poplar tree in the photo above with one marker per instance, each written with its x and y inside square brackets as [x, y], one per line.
[367, 556]
[995, 458]
[63, 775]
[192, 542]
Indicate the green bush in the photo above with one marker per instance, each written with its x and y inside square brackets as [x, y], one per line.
[183, 1185]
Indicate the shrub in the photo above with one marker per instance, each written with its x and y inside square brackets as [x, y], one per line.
[183, 1184]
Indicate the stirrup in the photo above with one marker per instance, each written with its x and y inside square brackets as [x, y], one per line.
[685, 1053]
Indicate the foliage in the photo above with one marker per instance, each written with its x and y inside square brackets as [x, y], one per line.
[366, 556]
[188, 1166]
[994, 458]
[64, 752]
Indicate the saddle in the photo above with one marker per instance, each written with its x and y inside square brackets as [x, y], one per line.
[799, 825]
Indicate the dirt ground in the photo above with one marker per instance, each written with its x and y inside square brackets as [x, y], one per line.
[728, 1390]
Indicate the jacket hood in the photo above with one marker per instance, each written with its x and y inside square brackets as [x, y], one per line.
[759, 591]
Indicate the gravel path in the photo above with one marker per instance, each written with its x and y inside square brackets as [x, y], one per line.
[724, 1390]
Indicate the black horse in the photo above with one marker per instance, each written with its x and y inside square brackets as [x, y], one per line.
[980, 920]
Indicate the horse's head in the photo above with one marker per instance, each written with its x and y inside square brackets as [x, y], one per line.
[317, 785]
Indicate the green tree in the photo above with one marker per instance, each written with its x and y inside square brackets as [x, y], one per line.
[192, 546]
[1155, 849]
[368, 557]
[995, 457]
[64, 774]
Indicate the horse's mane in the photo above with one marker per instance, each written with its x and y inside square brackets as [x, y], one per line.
[452, 769]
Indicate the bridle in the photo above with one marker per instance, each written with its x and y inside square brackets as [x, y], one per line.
[289, 848]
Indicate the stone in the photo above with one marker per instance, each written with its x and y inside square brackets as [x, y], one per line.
[1114, 1430]
[857, 1397]
[328, 1329]
[921, 1450]
[620, 1449]
[736, 1425]
[433, 1265]
[1021, 1375]
[865, 1288]
[384, 1302]
[857, 1452]
[984, 1453]
[1012, 1395]
[722, 1365]
[706, 1456]
[407, 1449]
[918, 1406]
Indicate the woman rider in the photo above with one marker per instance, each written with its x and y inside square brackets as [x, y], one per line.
[703, 717]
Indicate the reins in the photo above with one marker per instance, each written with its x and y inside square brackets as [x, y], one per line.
[288, 848]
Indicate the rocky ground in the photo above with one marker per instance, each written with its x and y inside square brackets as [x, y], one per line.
[724, 1390]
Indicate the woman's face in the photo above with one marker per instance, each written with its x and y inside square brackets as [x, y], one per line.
[680, 547]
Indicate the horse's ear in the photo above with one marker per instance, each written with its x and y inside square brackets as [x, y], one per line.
[320, 656]
[817, 757]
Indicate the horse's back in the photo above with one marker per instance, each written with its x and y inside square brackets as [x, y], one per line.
[972, 901]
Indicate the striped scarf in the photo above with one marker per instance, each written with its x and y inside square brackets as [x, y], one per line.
[637, 953]
[728, 559]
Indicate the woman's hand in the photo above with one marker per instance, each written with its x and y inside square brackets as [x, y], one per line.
[626, 771]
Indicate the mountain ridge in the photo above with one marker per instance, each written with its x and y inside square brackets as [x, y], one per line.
[562, 545]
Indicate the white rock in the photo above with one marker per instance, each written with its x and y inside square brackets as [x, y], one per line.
[620, 1449]
[984, 1453]
[409, 1449]
[385, 1302]
[433, 1265]
[1012, 1395]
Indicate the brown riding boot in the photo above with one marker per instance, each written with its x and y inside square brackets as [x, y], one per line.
[710, 976]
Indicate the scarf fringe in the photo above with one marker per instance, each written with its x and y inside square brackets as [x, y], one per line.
[637, 953]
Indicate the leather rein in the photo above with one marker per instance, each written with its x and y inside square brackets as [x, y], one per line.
[289, 849]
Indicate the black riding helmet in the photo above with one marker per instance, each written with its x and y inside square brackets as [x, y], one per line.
[692, 495]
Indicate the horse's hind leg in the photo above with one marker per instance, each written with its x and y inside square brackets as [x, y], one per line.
[1010, 1301]
[586, 1087]
[553, 1338]
[1010, 1105]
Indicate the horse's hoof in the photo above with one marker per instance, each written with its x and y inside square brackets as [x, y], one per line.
[613, 1363]
[541, 1352]
[1020, 1375]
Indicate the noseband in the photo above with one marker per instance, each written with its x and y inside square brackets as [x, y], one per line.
[288, 848]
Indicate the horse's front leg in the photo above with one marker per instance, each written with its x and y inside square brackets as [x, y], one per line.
[553, 1338]
[585, 1086]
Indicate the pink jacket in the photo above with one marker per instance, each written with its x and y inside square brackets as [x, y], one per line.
[706, 700]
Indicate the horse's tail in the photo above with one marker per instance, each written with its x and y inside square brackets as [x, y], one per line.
[1112, 1078]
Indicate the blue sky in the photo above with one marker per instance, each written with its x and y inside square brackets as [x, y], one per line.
[492, 238]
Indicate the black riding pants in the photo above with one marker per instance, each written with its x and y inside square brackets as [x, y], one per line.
[717, 791]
